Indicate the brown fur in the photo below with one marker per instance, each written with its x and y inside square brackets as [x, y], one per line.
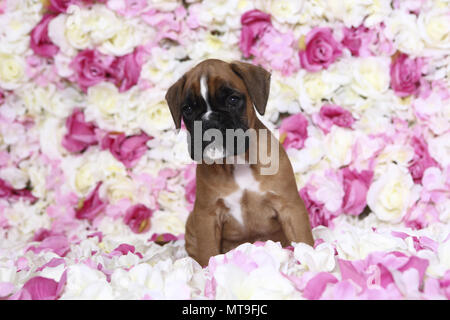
[275, 213]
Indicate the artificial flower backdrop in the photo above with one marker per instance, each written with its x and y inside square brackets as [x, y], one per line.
[94, 176]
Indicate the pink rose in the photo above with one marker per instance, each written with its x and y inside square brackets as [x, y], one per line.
[330, 115]
[405, 75]
[321, 50]
[138, 217]
[421, 160]
[293, 131]
[90, 68]
[254, 22]
[40, 42]
[128, 150]
[356, 185]
[125, 70]
[357, 40]
[80, 134]
[318, 214]
[61, 6]
[7, 191]
[2, 97]
[91, 206]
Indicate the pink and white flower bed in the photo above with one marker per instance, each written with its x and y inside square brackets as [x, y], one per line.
[93, 175]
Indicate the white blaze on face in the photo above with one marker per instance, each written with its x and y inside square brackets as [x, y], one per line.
[204, 93]
[243, 176]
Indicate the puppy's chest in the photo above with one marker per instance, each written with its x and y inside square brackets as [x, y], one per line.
[248, 208]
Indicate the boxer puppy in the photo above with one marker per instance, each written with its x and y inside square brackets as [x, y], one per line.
[236, 200]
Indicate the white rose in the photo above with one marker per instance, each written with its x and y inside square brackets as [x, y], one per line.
[316, 86]
[377, 12]
[12, 71]
[284, 11]
[434, 27]
[167, 222]
[283, 96]
[84, 282]
[35, 97]
[371, 76]
[390, 195]
[84, 171]
[51, 132]
[372, 121]
[58, 35]
[119, 188]
[351, 12]
[154, 116]
[401, 154]
[312, 152]
[76, 28]
[125, 40]
[18, 22]
[402, 29]
[105, 98]
[349, 99]
[102, 23]
[316, 259]
[339, 143]
[215, 47]
[162, 68]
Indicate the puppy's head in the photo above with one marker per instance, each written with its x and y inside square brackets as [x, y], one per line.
[215, 96]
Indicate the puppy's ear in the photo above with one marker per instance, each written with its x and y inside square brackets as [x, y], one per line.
[257, 81]
[174, 99]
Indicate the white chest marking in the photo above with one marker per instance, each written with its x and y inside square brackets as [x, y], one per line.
[243, 177]
[204, 93]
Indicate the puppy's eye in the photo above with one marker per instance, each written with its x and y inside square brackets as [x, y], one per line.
[187, 110]
[233, 100]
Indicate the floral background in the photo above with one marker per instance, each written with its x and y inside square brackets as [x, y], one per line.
[94, 176]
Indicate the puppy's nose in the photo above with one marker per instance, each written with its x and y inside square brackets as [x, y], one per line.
[211, 115]
[211, 120]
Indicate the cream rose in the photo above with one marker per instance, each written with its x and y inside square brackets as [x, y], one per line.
[76, 29]
[434, 27]
[402, 29]
[390, 195]
[284, 11]
[120, 187]
[338, 144]
[105, 98]
[371, 76]
[12, 71]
